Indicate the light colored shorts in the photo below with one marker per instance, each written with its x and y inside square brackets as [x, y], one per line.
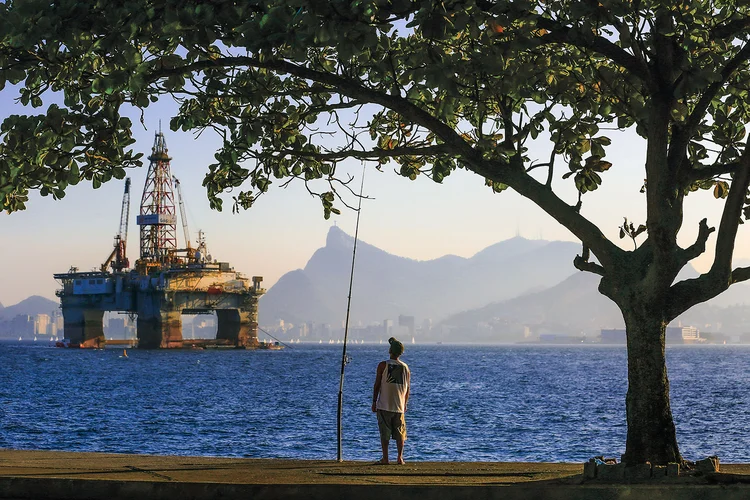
[391, 425]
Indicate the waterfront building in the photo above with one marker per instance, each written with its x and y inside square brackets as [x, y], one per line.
[674, 335]
[388, 328]
[613, 336]
[407, 322]
[41, 324]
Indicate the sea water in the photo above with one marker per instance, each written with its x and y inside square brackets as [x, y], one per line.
[468, 403]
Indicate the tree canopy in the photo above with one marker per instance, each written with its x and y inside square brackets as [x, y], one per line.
[295, 88]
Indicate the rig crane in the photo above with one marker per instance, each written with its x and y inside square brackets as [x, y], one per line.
[118, 258]
[183, 218]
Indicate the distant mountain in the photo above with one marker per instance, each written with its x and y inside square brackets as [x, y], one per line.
[30, 306]
[387, 285]
[296, 299]
[576, 307]
[737, 294]
[573, 306]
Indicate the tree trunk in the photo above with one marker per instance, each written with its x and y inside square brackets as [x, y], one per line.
[651, 431]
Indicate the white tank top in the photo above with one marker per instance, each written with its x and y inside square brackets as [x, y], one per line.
[393, 386]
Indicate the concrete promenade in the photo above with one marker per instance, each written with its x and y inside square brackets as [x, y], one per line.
[77, 476]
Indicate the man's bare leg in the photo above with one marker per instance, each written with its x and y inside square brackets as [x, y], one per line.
[384, 445]
[400, 448]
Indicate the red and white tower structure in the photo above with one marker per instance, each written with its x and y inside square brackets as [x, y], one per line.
[157, 219]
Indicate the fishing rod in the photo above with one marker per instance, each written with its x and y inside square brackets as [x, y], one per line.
[344, 359]
[277, 340]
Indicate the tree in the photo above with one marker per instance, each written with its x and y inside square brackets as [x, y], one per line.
[297, 87]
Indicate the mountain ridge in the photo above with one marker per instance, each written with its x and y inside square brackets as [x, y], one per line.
[575, 307]
[386, 285]
[35, 304]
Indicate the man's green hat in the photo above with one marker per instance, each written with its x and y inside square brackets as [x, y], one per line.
[397, 348]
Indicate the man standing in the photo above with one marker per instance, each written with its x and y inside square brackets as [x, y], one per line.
[389, 397]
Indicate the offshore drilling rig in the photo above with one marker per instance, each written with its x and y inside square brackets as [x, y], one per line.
[165, 282]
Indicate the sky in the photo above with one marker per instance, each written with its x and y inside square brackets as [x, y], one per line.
[417, 219]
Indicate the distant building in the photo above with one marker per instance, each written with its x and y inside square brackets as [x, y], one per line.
[715, 338]
[561, 338]
[408, 322]
[613, 336]
[59, 322]
[683, 334]
[529, 334]
[325, 331]
[674, 335]
[23, 326]
[388, 328]
[41, 324]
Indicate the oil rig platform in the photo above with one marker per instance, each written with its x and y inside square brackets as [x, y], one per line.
[165, 282]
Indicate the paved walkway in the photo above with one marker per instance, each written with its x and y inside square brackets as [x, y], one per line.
[62, 475]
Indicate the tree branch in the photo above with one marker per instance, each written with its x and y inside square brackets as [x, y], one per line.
[605, 251]
[699, 246]
[701, 174]
[731, 216]
[558, 33]
[731, 28]
[372, 154]
[342, 85]
[699, 111]
[740, 274]
[582, 263]
[591, 267]
[496, 170]
[687, 293]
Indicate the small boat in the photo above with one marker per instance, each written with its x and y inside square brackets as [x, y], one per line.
[67, 344]
[265, 345]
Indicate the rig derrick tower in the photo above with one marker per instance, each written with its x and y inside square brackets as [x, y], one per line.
[118, 258]
[157, 218]
[167, 281]
[189, 251]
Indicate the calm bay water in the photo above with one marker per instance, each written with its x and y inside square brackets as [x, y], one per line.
[468, 403]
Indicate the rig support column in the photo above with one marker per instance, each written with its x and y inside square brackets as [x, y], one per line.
[159, 330]
[251, 306]
[235, 326]
[84, 326]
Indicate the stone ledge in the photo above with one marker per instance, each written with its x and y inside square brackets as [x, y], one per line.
[49, 475]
